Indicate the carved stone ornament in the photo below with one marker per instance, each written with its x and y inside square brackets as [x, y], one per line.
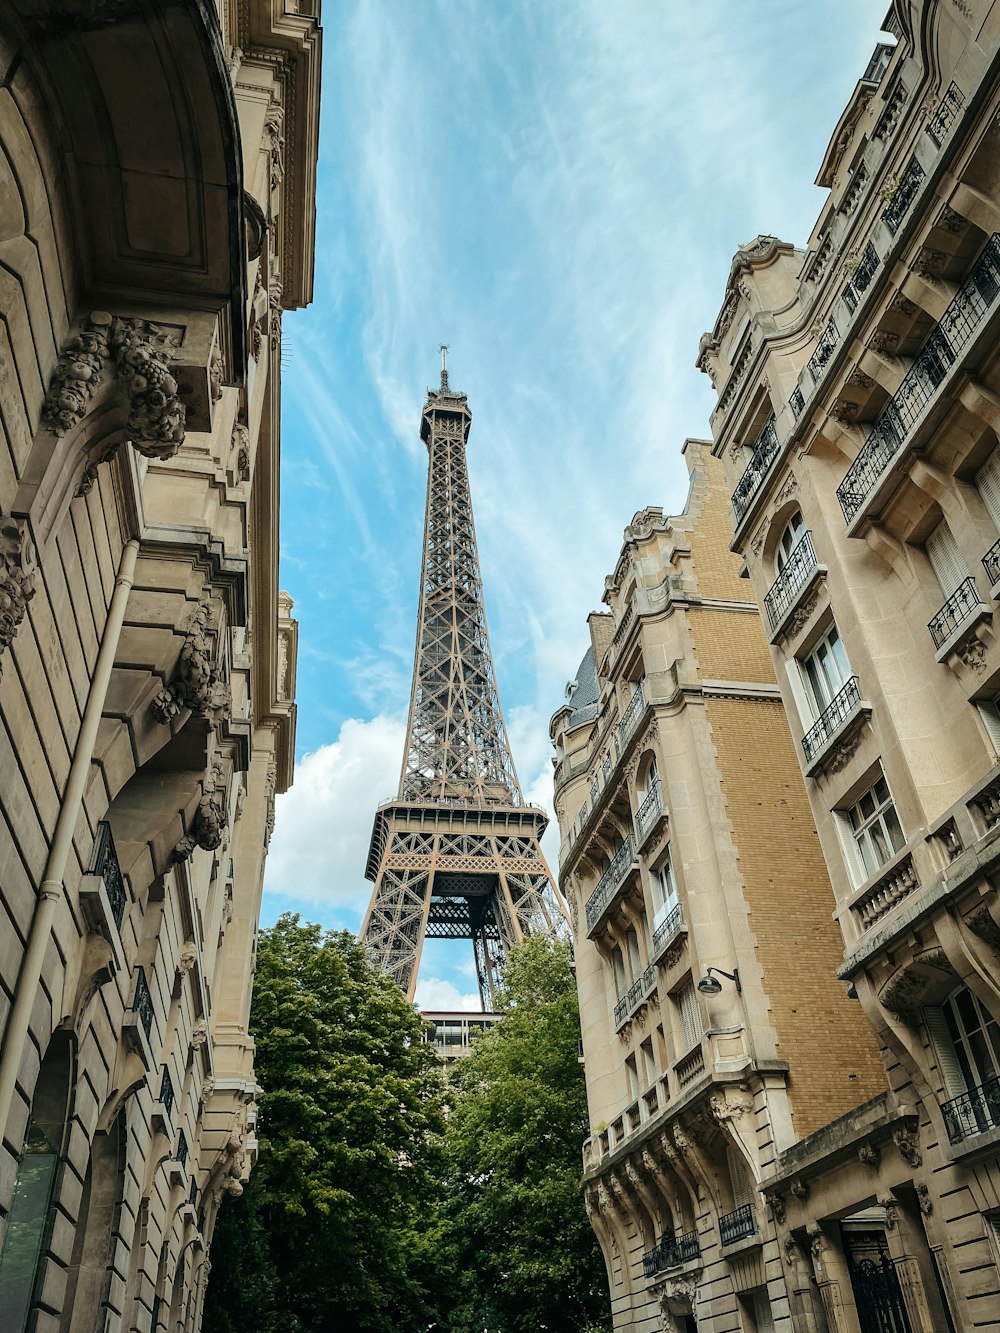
[776, 1202]
[906, 1143]
[207, 1088]
[786, 490]
[869, 1155]
[884, 342]
[156, 414]
[791, 1251]
[198, 683]
[971, 652]
[274, 306]
[981, 923]
[924, 1200]
[187, 957]
[891, 1208]
[729, 1106]
[860, 380]
[845, 410]
[241, 448]
[17, 577]
[951, 221]
[903, 306]
[800, 1188]
[270, 784]
[216, 372]
[79, 371]
[929, 264]
[232, 1186]
[844, 752]
[209, 821]
[817, 1242]
[199, 1034]
[801, 615]
[674, 955]
[273, 123]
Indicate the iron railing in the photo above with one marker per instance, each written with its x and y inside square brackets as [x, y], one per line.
[671, 925]
[738, 1224]
[941, 350]
[861, 277]
[824, 349]
[193, 1193]
[649, 810]
[944, 117]
[955, 612]
[973, 1112]
[798, 402]
[844, 704]
[800, 564]
[635, 994]
[903, 195]
[670, 1253]
[107, 866]
[142, 1001]
[167, 1091]
[764, 453]
[182, 1148]
[632, 713]
[608, 884]
[991, 563]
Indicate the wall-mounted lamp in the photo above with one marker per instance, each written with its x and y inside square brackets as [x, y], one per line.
[709, 986]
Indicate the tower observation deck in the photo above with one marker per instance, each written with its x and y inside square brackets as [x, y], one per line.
[457, 854]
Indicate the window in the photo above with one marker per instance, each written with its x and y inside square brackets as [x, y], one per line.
[793, 533]
[757, 1311]
[664, 891]
[965, 1038]
[618, 963]
[975, 1036]
[989, 711]
[946, 559]
[988, 485]
[631, 1078]
[825, 670]
[634, 959]
[648, 1063]
[690, 1016]
[875, 831]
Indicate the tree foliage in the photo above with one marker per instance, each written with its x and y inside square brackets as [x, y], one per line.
[523, 1251]
[338, 1223]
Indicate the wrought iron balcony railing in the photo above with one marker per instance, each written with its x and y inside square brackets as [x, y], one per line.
[798, 402]
[193, 1193]
[670, 927]
[607, 885]
[956, 611]
[861, 277]
[800, 564]
[634, 996]
[142, 1001]
[632, 714]
[182, 1148]
[107, 867]
[650, 808]
[738, 1224]
[973, 1112]
[903, 195]
[891, 427]
[764, 453]
[671, 1252]
[167, 1091]
[844, 704]
[991, 563]
[823, 350]
[944, 117]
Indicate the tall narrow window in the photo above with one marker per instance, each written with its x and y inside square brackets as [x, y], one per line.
[792, 534]
[946, 559]
[690, 1016]
[618, 963]
[825, 670]
[648, 1063]
[988, 485]
[634, 957]
[874, 829]
[664, 891]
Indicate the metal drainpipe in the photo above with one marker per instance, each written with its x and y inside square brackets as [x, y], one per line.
[51, 891]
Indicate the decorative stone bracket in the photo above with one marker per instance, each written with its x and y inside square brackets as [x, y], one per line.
[199, 683]
[17, 577]
[209, 821]
[142, 353]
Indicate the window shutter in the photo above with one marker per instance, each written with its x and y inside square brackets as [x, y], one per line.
[852, 853]
[741, 1179]
[988, 483]
[762, 1312]
[946, 559]
[990, 714]
[944, 1050]
[690, 1017]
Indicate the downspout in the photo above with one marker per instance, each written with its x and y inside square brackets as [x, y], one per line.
[52, 888]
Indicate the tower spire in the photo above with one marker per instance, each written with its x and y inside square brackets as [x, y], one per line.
[457, 854]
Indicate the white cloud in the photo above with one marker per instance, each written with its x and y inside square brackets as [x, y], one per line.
[324, 822]
[436, 993]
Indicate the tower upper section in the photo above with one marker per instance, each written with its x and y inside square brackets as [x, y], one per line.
[456, 743]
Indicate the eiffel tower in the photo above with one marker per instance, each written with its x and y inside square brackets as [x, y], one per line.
[456, 855]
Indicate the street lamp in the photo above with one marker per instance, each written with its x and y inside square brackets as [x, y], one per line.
[709, 986]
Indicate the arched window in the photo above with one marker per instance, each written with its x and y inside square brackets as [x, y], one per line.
[28, 1223]
[792, 533]
[88, 1281]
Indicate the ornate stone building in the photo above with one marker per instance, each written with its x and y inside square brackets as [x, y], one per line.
[858, 391]
[157, 174]
[716, 1035]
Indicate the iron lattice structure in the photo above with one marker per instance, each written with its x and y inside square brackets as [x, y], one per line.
[457, 854]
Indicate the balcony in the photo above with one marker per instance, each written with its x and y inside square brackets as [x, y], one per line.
[903, 195]
[944, 117]
[690, 1066]
[959, 616]
[892, 427]
[103, 897]
[786, 590]
[974, 1112]
[764, 453]
[137, 1025]
[164, 1104]
[671, 1252]
[634, 996]
[737, 1225]
[630, 717]
[861, 277]
[181, 1155]
[670, 929]
[991, 563]
[609, 884]
[878, 900]
[649, 814]
[822, 352]
[845, 711]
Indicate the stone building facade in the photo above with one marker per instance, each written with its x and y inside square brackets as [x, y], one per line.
[689, 852]
[157, 180]
[858, 388]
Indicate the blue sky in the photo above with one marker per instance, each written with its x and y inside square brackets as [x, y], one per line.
[556, 189]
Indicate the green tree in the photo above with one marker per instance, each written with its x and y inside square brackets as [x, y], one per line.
[339, 1224]
[521, 1247]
